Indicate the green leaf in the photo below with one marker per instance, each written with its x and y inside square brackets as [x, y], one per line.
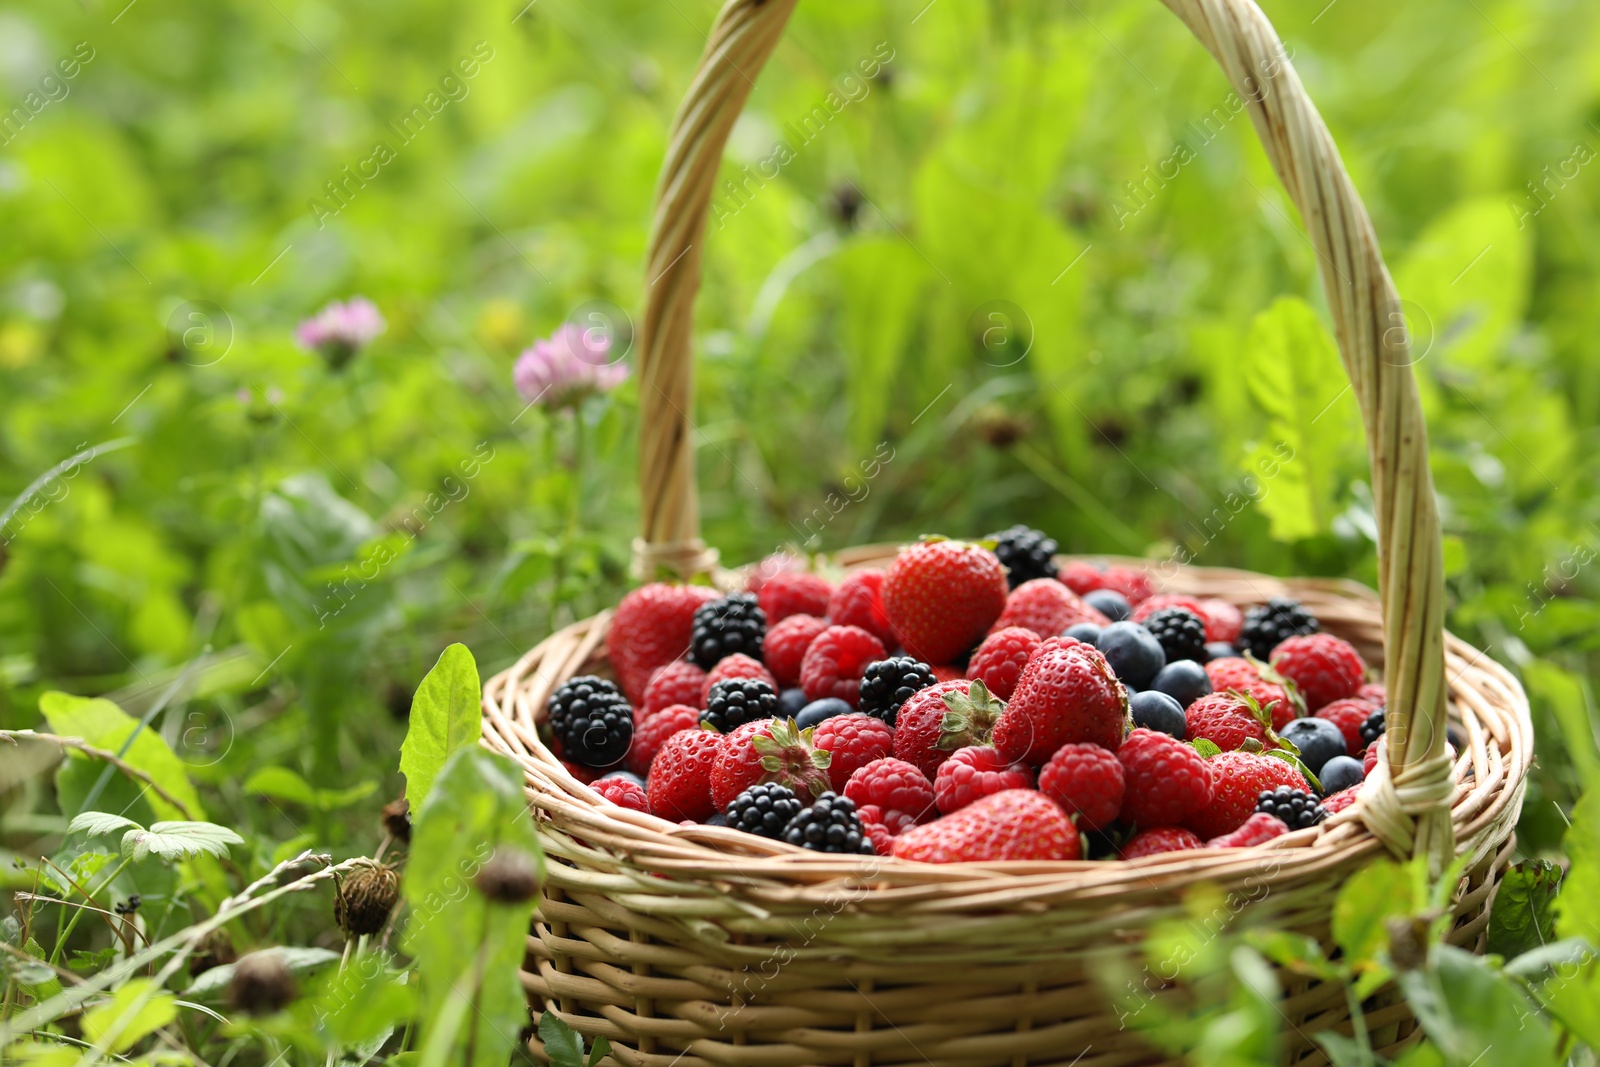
[562, 1044]
[97, 823]
[475, 809]
[1206, 747]
[1576, 914]
[1573, 997]
[445, 715]
[281, 783]
[104, 725]
[1523, 914]
[123, 1022]
[1565, 695]
[1466, 1007]
[601, 1049]
[1365, 902]
[357, 1007]
[1310, 433]
[179, 841]
[1300, 953]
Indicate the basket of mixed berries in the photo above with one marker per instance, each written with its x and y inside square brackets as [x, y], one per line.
[898, 805]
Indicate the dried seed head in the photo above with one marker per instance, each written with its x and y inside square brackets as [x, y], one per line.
[1408, 942]
[366, 896]
[215, 949]
[262, 984]
[510, 877]
[397, 819]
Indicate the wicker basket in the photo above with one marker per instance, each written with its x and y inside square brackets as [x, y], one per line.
[698, 945]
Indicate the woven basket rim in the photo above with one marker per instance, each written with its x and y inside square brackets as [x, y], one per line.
[1494, 761]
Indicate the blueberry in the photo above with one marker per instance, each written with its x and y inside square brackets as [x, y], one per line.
[1318, 740]
[626, 776]
[1133, 652]
[1158, 711]
[1340, 773]
[791, 702]
[817, 710]
[1184, 681]
[1086, 632]
[1110, 603]
[1220, 650]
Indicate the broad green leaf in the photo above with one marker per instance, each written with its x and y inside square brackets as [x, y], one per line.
[104, 725]
[179, 841]
[1523, 916]
[476, 808]
[1365, 902]
[1576, 913]
[444, 717]
[356, 1007]
[562, 1044]
[96, 823]
[1309, 436]
[281, 783]
[1565, 694]
[1466, 1007]
[123, 1022]
[302, 963]
[1572, 996]
[1300, 953]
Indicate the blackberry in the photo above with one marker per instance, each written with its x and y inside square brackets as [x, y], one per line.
[889, 683]
[1181, 632]
[1025, 553]
[592, 720]
[765, 810]
[1268, 624]
[1376, 725]
[829, 825]
[733, 702]
[722, 627]
[1296, 808]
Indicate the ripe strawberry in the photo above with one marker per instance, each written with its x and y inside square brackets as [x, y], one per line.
[1066, 693]
[1081, 577]
[1241, 778]
[1160, 839]
[877, 831]
[1016, 824]
[1337, 802]
[623, 792]
[1046, 607]
[679, 786]
[1374, 692]
[999, 660]
[768, 750]
[942, 718]
[786, 644]
[974, 772]
[1224, 719]
[1250, 676]
[737, 665]
[1323, 667]
[794, 593]
[1258, 829]
[651, 628]
[1132, 582]
[894, 788]
[1164, 779]
[941, 597]
[1349, 715]
[858, 601]
[853, 741]
[650, 732]
[679, 682]
[1086, 780]
[835, 661]
[1224, 621]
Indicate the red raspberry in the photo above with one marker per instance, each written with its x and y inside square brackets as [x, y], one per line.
[1370, 758]
[1161, 601]
[650, 732]
[920, 737]
[1374, 692]
[1241, 778]
[1223, 719]
[1337, 802]
[1224, 621]
[1323, 667]
[1086, 780]
[1258, 829]
[786, 644]
[768, 750]
[974, 772]
[737, 665]
[999, 660]
[894, 787]
[794, 593]
[1271, 691]
[679, 682]
[1016, 824]
[679, 786]
[1158, 840]
[947, 672]
[623, 792]
[858, 601]
[896, 822]
[853, 741]
[1081, 577]
[651, 628]
[1132, 582]
[1164, 779]
[877, 831]
[1046, 607]
[1349, 715]
[834, 663]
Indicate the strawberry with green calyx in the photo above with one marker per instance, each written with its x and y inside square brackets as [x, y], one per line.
[1068, 694]
[1239, 778]
[769, 750]
[942, 718]
[1247, 674]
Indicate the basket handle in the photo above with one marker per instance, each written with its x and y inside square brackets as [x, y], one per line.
[1406, 802]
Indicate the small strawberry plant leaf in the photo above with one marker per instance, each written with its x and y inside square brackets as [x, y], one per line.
[105, 725]
[1291, 755]
[178, 841]
[445, 716]
[1576, 915]
[601, 1049]
[133, 1013]
[1206, 747]
[1523, 916]
[1367, 900]
[562, 1044]
[1466, 1007]
[98, 823]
